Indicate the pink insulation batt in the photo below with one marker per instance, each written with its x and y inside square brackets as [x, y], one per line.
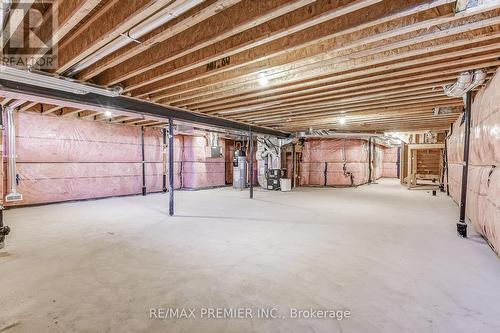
[390, 163]
[334, 154]
[483, 185]
[198, 169]
[61, 159]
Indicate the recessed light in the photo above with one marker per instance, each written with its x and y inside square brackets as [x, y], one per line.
[263, 80]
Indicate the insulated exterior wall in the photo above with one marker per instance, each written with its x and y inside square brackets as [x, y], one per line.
[390, 163]
[483, 186]
[198, 169]
[60, 159]
[327, 157]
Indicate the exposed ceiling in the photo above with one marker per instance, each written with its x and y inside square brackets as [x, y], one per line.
[359, 65]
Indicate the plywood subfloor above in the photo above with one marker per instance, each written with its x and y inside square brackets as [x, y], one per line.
[291, 64]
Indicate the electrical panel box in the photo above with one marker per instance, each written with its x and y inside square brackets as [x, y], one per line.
[214, 152]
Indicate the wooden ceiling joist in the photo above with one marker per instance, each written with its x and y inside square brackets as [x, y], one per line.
[302, 44]
[287, 64]
[169, 45]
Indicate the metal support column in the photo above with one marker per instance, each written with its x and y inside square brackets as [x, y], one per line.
[369, 160]
[164, 180]
[250, 139]
[143, 163]
[398, 163]
[171, 166]
[462, 225]
[445, 165]
[293, 165]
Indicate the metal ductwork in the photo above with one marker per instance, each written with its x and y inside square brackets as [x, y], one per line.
[12, 195]
[214, 149]
[466, 81]
[479, 77]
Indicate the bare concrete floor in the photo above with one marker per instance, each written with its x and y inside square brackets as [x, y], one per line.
[388, 255]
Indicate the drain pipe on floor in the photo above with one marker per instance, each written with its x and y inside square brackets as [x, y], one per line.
[462, 225]
[466, 82]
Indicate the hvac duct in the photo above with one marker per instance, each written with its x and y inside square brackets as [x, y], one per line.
[155, 21]
[479, 77]
[214, 149]
[11, 147]
[466, 81]
[268, 157]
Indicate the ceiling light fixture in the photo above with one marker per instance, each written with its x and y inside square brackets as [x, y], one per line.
[108, 114]
[263, 80]
[342, 120]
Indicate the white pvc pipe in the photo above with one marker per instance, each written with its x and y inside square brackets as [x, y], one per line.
[5, 6]
[11, 158]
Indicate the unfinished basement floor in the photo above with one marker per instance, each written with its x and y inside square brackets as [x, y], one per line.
[388, 255]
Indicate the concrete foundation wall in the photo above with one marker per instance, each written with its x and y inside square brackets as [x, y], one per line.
[60, 159]
[483, 186]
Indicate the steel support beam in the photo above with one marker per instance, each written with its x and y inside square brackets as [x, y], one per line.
[171, 166]
[462, 225]
[132, 105]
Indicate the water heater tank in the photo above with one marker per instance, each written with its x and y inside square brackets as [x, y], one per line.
[239, 170]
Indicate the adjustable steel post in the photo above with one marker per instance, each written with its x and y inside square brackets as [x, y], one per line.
[171, 166]
[164, 180]
[398, 163]
[462, 225]
[143, 163]
[369, 160]
[293, 165]
[250, 139]
[445, 165]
